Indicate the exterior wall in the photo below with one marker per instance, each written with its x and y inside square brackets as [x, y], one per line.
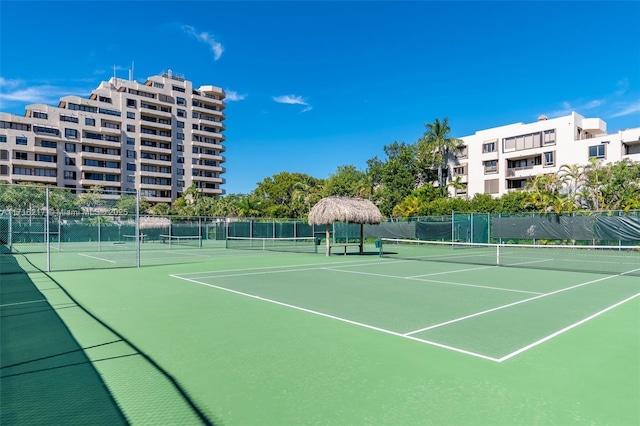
[158, 137]
[503, 159]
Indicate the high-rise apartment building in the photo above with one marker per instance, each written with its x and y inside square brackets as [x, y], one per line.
[159, 137]
[502, 159]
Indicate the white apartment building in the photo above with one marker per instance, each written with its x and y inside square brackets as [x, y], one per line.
[498, 160]
[158, 137]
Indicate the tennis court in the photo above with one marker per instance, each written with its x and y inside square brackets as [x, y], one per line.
[253, 336]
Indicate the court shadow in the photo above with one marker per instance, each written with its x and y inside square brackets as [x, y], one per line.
[46, 376]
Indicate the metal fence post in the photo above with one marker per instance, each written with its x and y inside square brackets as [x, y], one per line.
[46, 230]
[137, 237]
[10, 231]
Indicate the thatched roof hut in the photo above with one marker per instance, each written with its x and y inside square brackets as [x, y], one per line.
[154, 222]
[344, 209]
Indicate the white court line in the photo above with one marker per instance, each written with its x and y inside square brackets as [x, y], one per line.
[23, 303]
[436, 281]
[97, 258]
[510, 305]
[315, 266]
[359, 324]
[551, 336]
[451, 272]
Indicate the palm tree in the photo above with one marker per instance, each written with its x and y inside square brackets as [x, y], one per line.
[574, 180]
[435, 146]
[457, 184]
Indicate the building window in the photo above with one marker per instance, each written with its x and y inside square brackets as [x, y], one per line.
[46, 158]
[21, 140]
[131, 128]
[131, 115]
[195, 126]
[180, 124]
[40, 114]
[181, 101]
[105, 99]
[180, 159]
[549, 137]
[89, 122]
[458, 171]
[182, 113]
[180, 148]
[131, 154]
[180, 136]
[491, 186]
[180, 172]
[3, 138]
[597, 151]
[549, 159]
[48, 144]
[131, 178]
[131, 103]
[70, 147]
[71, 133]
[490, 166]
[489, 147]
[20, 155]
[68, 174]
[69, 161]
[68, 118]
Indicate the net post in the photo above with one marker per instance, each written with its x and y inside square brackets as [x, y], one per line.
[46, 230]
[99, 220]
[497, 254]
[200, 231]
[379, 245]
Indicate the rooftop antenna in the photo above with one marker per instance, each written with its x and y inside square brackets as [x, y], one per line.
[131, 72]
[114, 73]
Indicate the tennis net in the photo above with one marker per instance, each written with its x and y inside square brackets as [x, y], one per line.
[294, 244]
[598, 259]
[180, 241]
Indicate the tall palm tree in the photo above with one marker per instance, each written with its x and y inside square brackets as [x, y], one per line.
[435, 147]
[457, 185]
[574, 180]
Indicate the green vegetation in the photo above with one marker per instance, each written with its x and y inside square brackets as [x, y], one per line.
[410, 181]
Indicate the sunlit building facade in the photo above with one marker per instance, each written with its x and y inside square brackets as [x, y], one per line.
[502, 159]
[158, 137]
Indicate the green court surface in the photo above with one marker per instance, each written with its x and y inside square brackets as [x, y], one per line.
[242, 337]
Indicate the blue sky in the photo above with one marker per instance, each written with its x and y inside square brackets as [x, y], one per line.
[315, 85]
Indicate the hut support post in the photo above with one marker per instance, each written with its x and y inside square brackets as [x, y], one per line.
[327, 237]
[361, 237]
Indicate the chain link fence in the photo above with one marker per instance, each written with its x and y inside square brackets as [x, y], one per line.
[49, 228]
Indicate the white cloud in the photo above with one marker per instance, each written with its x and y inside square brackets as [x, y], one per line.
[623, 86]
[17, 91]
[9, 83]
[567, 108]
[206, 38]
[290, 99]
[628, 110]
[593, 104]
[293, 100]
[232, 95]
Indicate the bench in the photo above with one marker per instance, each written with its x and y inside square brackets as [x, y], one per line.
[345, 245]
